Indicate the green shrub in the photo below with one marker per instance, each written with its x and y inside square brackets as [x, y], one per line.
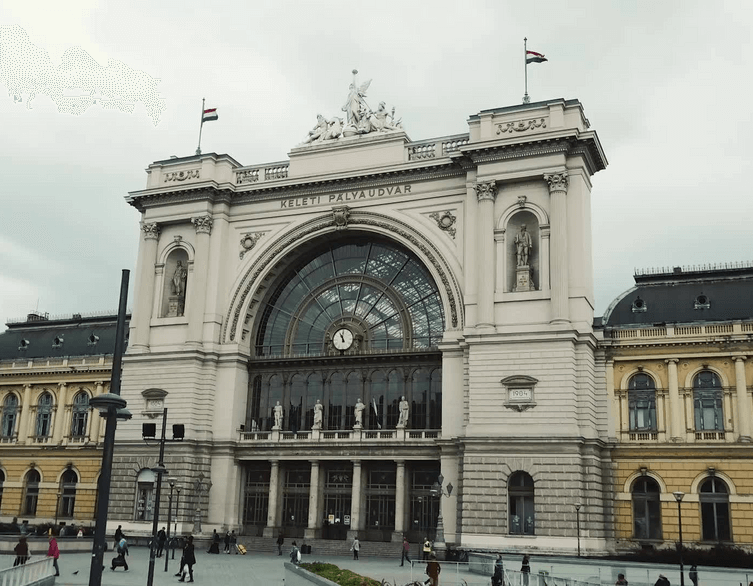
[720, 555]
[339, 576]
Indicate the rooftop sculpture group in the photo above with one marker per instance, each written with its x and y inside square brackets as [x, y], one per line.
[360, 118]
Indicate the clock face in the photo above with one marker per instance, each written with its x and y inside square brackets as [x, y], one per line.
[342, 339]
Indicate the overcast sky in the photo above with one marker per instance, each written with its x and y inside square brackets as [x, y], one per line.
[666, 85]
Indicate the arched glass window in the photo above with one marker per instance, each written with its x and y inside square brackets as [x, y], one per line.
[522, 515]
[353, 391]
[642, 403]
[68, 493]
[44, 415]
[79, 415]
[378, 397]
[297, 402]
[315, 391]
[10, 414]
[715, 515]
[336, 400]
[435, 404]
[145, 495]
[646, 509]
[275, 394]
[707, 400]
[419, 398]
[31, 492]
[395, 390]
[380, 291]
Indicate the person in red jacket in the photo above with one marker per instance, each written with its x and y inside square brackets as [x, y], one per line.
[54, 553]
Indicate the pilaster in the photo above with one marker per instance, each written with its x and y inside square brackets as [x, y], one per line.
[60, 419]
[486, 194]
[311, 531]
[742, 413]
[676, 431]
[356, 498]
[23, 427]
[145, 294]
[400, 494]
[558, 183]
[197, 285]
[273, 526]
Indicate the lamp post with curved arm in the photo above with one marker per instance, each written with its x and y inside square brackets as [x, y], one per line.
[439, 491]
[577, 523]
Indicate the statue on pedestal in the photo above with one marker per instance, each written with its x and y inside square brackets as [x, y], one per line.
[177, 301]
[318, 415]
[358, 412]
[278, 416]
[404, 410]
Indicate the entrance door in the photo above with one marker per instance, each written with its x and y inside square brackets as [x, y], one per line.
[336, 516]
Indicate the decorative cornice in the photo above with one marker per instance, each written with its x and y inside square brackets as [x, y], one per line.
[557, 181]
[151, 231]
[203, 224]
[486, 191]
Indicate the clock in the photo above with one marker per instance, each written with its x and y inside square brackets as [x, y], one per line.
[342, 339]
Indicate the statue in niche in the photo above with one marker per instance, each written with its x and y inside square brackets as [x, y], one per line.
[278, 416]
[180, 277]
[404, 410]
[523, 245]
[318, 415]
[358, 413]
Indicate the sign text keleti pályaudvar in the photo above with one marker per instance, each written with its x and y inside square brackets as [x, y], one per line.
[354, 195]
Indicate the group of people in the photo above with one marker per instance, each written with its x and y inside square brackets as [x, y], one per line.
[230, 541]
[23, 554]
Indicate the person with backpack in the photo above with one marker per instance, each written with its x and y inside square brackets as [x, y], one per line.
[187, 560]
[295, 554]
[122, 551]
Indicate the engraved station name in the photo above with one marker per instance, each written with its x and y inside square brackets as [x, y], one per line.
[344, 196]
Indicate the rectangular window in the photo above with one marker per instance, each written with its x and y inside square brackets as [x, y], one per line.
[642, 407]
[708, 411]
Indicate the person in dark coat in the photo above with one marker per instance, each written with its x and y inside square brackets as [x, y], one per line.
[280, 541]
[498, 578]
[525, 569]
[188, 560]
[662, 581]
[22, 552]
[693, 575]
[118, 536]
[122, 551]
[227, 542]
[161, 539]
[433, 569]
[215, 547]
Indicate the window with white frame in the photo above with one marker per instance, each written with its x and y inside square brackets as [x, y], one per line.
[715, 513]
[646, 509]
[642, 402]
[79, 415]
[707, 400]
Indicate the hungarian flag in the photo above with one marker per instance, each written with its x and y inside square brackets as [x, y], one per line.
[534, 57]
[211, 114]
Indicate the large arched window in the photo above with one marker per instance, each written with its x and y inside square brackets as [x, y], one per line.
[646, 509]
[145, 495]
[297, 402]
[10, 415]
[68, 493]
[44, 415]
[31, 492]
[380, 292]
[522, 515]
[79, 415]
[642, 403]
[715, 517]
[707, 400]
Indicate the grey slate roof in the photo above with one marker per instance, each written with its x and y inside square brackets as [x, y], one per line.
[34, 339]
[673, 297]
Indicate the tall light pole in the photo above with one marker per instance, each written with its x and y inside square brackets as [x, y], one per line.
[177, 508]
[577, 523]
[169, 517]
[439, 491]
[678, 497]
[57, 508]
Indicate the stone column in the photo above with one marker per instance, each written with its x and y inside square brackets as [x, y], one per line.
[558, 183]
[314, 513]
[400, 492]
[500, 285]
[94, 418]
[196, 288]
[355, 502]
[23, 425]
[486, 193]
[272, 528]
[614, 402]
[60, 419]
[676, 416]
[142, 314]
[544, 264]
[743, 403]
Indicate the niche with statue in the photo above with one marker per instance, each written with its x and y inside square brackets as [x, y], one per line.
[176, 284]
[523, 252]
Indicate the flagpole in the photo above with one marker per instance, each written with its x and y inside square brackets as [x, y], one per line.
[526, 99]
[198, 149]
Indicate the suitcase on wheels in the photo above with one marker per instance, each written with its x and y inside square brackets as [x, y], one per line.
[241, 548]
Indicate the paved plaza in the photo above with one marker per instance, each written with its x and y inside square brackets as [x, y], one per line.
[265, 569]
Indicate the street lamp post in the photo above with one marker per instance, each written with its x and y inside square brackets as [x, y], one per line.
[439, 491]
[57, 508]
[169, 517]
[177, 508]
[577, 523]
[678, 497]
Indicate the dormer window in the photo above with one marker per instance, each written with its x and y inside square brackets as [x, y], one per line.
[702, 302]
[57, 342]
[93, 339]
[23, 344]
[639, 306]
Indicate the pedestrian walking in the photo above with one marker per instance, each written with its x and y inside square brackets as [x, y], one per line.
[22, 552]
[662, 581]
[54, 553]
[525, 570]
[498, 578]
[433, 570]
[621, 580]
[188, 560]
[118, 536]
[280, 541]
[215, 546]
[355, 548]
[161, 539]
[426, 550]
[406, 552]
[227, 542]
[233, 542]
[122, 551]
[295, 554]
[693, 575]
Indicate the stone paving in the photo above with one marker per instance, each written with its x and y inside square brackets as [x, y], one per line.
[265, 569]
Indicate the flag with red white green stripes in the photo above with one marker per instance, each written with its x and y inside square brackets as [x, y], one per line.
[534, 57]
